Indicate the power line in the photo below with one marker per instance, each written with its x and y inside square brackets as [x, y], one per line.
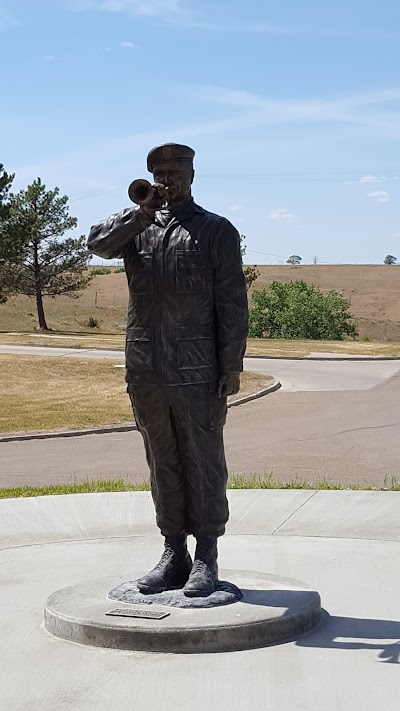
[327, 177]
[282, 256]
[104, 192]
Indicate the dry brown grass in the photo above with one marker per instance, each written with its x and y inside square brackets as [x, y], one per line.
[373, 290]
[39, 393]
[66, 340]
[251, 383]
[300, 349]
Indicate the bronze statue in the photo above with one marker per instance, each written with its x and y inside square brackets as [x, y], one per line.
[185, 342]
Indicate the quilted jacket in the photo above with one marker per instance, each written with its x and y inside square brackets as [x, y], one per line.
[187, 314]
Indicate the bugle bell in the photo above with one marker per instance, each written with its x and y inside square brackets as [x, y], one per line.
[141, 192]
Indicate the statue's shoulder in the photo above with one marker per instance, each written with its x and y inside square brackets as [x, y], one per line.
[215, 219]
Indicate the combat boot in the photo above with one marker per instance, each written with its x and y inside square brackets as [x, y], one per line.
[204, 574]
[172, 570]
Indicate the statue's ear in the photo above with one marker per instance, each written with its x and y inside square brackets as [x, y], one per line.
[193, 174]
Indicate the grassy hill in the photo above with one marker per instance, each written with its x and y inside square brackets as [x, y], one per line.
[374, 292]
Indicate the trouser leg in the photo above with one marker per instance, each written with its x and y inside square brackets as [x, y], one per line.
[153, 417]
[182, 429]
[199, 419]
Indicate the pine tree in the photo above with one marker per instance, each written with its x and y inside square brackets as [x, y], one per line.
[8, 247]
[48, 264]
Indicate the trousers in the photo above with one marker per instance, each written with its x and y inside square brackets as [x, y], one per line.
[182, 429]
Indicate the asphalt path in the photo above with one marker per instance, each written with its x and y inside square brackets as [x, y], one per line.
[302, 375]
[333, 419]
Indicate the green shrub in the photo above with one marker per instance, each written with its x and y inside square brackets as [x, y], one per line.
[298, 310]
[92, 322]
[119, 270]
[98, 271]
[364, 338]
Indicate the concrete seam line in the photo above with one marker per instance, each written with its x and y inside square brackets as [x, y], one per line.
[276, 384]
[294, 512]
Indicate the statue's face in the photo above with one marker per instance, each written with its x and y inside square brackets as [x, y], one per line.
[177, 176]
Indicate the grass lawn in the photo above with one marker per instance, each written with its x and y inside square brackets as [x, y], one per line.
[235, 482]
[39, 393]
[255, 346]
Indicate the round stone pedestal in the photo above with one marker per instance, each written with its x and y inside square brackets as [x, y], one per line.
[271, 610]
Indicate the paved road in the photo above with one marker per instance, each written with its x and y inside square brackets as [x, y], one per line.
[295, 375]
[335, 419]
[349, 437]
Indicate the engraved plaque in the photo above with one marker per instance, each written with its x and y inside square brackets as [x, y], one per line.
[145, 614]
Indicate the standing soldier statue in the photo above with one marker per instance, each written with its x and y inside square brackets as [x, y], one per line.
[185, 342]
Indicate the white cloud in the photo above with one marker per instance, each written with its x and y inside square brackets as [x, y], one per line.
[369, 179]
[361, 109]
[379, 196]
[127, 45]
[51, 58]
[249, 111]
[234, 208]
[135, 7]
[281, 214]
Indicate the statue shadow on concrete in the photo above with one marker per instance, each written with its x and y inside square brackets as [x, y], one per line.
[360, 633]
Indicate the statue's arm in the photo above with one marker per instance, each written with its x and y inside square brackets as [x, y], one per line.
[109, 238]
[230, 298]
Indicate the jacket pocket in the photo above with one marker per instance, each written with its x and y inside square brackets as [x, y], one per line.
[139, 349]
[190, 272]
[142, 278]
[195, 347]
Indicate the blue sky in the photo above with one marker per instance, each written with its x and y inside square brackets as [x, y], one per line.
[292, 106]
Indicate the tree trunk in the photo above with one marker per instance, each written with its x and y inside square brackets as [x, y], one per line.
[38, 289]
[40, 309]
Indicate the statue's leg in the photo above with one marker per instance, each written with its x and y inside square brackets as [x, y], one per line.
[204, 573]
[153, 417]
[200, 416]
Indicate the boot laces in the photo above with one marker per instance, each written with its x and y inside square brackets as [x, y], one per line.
[168, 551]
[199, 565]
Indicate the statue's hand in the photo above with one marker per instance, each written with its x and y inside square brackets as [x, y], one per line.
[229, 384]
[148, 211]
[147, 214]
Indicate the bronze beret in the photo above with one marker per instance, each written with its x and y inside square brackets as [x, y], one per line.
[167, 152]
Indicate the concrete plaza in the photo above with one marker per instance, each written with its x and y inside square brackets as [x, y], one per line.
[346, 544]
